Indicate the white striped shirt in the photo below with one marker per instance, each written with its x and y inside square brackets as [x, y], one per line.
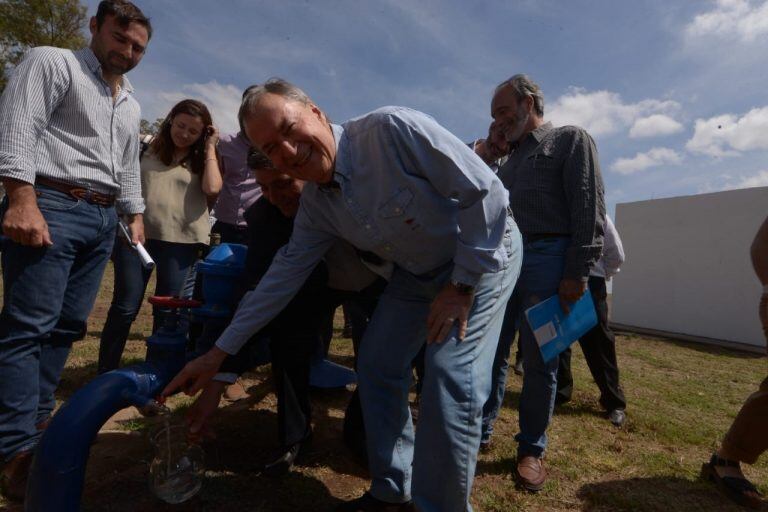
[58, 120]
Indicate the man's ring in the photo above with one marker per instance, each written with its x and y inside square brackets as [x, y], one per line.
[450, 320]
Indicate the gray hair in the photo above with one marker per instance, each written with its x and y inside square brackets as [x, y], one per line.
[254, 93]
[524, 86]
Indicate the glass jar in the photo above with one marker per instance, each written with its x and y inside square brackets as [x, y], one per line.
[176, 472]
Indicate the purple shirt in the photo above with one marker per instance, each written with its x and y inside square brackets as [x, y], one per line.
[240, 189]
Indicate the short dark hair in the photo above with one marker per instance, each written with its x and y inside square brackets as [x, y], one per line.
[258, 160]
[125, 13]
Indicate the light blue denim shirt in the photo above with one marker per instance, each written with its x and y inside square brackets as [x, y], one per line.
[408, 191]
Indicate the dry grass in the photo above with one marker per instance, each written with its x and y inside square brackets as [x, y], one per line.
[682, 398]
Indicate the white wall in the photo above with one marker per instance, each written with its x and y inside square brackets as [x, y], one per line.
[688, 269]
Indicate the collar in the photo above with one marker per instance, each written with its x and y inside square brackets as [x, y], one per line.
[341, 166]
[540, 132]
[94, 65]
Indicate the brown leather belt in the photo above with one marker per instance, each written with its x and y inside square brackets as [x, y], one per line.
[89, 196]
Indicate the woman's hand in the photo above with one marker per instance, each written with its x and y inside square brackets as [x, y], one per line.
[212, 137]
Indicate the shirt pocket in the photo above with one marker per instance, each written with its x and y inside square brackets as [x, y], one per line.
[396, 205]
[542, 159]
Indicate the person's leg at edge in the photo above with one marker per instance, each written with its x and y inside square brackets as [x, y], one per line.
[744, 443]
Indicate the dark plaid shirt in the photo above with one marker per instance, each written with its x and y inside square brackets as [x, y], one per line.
[555, 187]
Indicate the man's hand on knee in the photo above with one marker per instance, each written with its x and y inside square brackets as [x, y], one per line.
[450, 307]
[23, 222]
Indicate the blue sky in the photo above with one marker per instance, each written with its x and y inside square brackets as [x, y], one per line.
[674, 93]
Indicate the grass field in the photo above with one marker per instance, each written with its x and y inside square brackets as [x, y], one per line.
[682, 397]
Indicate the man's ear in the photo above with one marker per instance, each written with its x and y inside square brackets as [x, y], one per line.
[529, 104]
[316, 110]
[92, 25]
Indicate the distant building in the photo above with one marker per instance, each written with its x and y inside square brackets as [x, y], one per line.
[688, 272]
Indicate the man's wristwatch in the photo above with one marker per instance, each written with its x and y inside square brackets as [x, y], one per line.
[463, 288]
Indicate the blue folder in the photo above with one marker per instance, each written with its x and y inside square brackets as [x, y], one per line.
[554, 330]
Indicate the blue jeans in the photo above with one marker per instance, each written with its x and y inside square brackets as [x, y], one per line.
[48, 295]
[440, 459]
[543, 263]
[175, 276]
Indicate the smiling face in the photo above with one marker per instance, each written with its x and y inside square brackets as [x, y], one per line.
[295, 136]
[280, 189]
[511, 114]
[118, 48]
[186, 129]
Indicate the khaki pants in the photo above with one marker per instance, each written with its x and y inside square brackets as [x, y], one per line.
[748, 436]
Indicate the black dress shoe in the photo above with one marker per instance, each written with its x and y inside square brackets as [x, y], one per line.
[283, 463]
[367, 503]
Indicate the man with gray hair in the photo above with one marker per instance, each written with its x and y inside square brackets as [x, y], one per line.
[397, 184]
[556, 194]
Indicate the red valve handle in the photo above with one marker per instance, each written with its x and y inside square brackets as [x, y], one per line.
[174, 302]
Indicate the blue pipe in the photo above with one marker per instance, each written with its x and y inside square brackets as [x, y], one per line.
[58, 469]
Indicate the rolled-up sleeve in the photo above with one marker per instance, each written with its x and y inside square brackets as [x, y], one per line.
[285, 276]
[36, 88]
[583, 186]
[457, 173]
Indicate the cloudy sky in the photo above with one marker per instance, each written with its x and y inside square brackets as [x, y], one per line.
[674, 92]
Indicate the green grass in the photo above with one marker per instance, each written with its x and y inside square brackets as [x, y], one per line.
[682, 397]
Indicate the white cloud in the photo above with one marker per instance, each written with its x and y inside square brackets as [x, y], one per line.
[729, 135]
[603, 112]
[654, 126]
[641, 161]
[222, 100]
[757, 180]
[734, 19]
[729, 182]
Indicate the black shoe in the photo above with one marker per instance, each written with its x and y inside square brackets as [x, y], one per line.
[284, 462]
[367, 503]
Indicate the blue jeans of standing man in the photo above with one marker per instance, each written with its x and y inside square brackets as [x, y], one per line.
[48, 295]
[175, 277]
[543, 263]
[439, 461]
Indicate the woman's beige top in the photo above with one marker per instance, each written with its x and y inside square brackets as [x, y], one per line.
[176, 208]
